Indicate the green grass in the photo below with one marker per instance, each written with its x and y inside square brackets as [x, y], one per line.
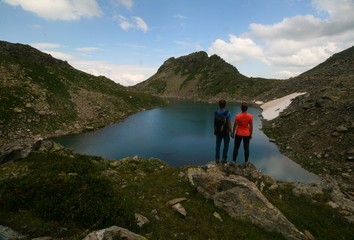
[315, 216]
[61, 196]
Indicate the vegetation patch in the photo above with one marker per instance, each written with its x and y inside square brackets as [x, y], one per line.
[48, 194]
[313, 215]
[67, 191]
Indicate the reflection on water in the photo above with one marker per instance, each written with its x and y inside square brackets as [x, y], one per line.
[182, 134]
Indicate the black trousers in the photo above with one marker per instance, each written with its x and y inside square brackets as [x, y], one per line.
[246, 146]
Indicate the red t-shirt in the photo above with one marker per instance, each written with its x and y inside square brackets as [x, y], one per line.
[243, 121]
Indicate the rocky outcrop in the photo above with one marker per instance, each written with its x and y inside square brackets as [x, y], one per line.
[341, 200]
[241, 199]
[113, 232]
[8, 233]
[19, 151]
[317, 129]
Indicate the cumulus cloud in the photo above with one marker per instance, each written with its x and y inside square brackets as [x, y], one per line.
[126, 75]
[134, 22]
[294, 44]
[126, 3]
[59, 9]
[237, 49]
[54, 50]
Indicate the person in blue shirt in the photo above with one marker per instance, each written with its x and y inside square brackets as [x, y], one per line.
[222, 129]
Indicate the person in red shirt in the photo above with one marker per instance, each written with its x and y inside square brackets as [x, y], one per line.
[242, 131]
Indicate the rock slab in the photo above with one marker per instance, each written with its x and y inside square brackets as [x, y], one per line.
[241, 199]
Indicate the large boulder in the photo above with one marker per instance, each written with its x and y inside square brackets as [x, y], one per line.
[113, 232]
[241, 199]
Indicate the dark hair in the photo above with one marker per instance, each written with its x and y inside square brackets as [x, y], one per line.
[244, 107]
[222, 103]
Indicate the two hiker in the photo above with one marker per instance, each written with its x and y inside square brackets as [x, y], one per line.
[241, 131]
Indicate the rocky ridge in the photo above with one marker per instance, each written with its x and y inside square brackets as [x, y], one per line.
[199, 77]
[317, 129]
[43, 97]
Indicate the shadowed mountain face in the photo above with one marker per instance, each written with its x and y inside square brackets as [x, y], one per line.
[197, 76]
[44, 96]
[319, 126]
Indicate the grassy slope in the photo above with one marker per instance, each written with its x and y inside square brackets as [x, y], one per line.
[51, 192]
[33, 82]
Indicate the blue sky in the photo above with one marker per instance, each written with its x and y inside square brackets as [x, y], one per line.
[128, 40]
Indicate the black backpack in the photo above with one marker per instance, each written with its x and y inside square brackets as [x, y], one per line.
[220, 124]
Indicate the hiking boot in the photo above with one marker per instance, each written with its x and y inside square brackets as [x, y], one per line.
[233, 163]
[223, 161]
[217, 161]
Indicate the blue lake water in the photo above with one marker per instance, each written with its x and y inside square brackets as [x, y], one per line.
[182, 134]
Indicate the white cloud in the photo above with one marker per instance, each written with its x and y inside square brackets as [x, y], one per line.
[126, 75]
[179, 16]
[141, 24]
[237, 49]
[59, 9]
[44, 46]
[295, 44]
[53, 49]
[126, 3]
[135, 22]
[124, 23]
[341, 10]
[60, 55]
[36, 26]
[87, 49]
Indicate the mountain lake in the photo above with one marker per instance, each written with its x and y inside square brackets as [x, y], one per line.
[180, 134]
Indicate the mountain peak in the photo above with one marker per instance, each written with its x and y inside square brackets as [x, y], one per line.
[198, 76]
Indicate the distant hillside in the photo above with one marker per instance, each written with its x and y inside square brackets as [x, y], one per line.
[44, 96]
[197, 76]
[318, 128]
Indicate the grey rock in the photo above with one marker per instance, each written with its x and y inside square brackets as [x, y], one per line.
[341, 128]
[8, 233]
[308, 235]
[175, 201]
[14, 153]
[180, 209]
[112, 233]
[217, 216]
[141, 220]
[47, 146]
[241, 199]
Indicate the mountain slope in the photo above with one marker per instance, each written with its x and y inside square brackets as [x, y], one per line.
[317, 129]
[44, 96]
[197, 76]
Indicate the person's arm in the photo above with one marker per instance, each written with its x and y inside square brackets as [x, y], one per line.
[251, 127]
[234, 129]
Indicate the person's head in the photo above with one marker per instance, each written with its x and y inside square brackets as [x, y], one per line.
[222, 103]
[244, 107]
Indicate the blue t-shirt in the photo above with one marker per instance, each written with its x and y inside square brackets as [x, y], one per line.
[221, 112]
